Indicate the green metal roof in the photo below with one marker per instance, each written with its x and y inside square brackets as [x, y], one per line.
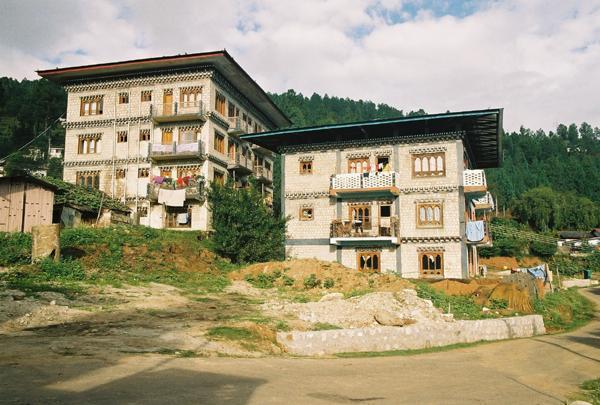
[482, 130]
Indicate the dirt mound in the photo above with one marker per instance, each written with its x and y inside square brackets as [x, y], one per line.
[344, 279]
[517, 297]
[499, 262]
[403, 307]
[454, 287]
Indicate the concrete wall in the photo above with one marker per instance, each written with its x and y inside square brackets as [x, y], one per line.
[417, 336]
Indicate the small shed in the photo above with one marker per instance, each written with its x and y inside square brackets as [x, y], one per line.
[25, 202]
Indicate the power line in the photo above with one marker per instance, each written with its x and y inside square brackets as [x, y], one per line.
[36, 137]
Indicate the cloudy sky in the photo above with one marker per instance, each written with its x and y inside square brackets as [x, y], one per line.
[540, 60]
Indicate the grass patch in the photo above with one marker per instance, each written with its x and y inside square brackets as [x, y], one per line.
[591, 391]
[178, 353]
[231, 333]
[564, 310]
[31, 284]
[282, 326]
[357, 293]
[325, 326]
[463, 307]
[409, 352]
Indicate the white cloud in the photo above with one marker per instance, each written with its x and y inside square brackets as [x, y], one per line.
[536, 61]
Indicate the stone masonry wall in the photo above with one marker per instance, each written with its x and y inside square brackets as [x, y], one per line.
[417, 336]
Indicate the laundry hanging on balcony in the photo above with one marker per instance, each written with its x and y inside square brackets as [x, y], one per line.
[475, 231]
[171, 198]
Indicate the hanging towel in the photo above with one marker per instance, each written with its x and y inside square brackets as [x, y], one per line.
[171, 198]
[182, 218]
[475, 231]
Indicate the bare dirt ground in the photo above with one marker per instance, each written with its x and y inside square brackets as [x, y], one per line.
[541, 370]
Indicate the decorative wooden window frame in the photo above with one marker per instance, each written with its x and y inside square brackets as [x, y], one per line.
[218, 177]
[306, 213]
[368, 261]
[219, 142]
[430, 214]
[189, 96]
[422, 163]
[88, 144]
[142, 212]
[166, 172]
[143, 172]
[124, 98]
[431, 264]
[91, 105]
[306, 167]
[363, 162]
[120, 173]
[220, 103]
[121, 136]
[364, 211]
[88, 179]
[166, 137]
[146, 96]
[144, 134]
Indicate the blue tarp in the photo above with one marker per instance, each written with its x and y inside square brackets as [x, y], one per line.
[538, 271]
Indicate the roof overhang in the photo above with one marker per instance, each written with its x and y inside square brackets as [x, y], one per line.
[220, 60]
[481, 128]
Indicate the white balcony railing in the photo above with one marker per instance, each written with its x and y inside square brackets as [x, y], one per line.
[486, 201]
[474, 178]
[355, 181]
[176, 109]
[237, 125]
[175, 149]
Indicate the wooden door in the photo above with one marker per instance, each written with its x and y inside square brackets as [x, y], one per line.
[168, 103]
[167, 137]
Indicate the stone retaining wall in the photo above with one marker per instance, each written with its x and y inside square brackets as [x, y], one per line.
[418, 336]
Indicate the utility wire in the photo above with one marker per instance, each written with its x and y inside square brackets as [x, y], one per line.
[30, 142]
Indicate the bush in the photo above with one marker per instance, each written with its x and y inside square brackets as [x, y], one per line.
[328, 283]
[263, 280]
[564, 309]
[311, 282]
[541, 249]
[288, 281]
[461, 306]
[245, 229]
[15, 248]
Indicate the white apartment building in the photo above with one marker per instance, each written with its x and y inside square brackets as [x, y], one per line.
[155, 132]
[405, 195]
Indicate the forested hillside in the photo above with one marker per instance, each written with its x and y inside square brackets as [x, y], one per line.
[565, 163]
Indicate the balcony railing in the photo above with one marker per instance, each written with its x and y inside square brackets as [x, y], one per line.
[363, 182]
[474, 181]
[237, 161]
[357, 232]
[192, 192]
[238, 126]
[478, 232]
[263, 174]
[175, 150]
[486, 202]
[173, 112]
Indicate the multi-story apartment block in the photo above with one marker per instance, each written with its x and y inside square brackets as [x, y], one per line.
[154, 132]
[404, 195]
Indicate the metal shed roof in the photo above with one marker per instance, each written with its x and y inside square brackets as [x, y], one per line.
[482, 129]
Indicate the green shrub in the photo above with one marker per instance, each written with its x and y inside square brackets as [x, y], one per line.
[591, 391]
[65, 269]
[15, 248]
[311, 282]
[263, 280]
[328, 283]
[282, 326]
[541, 249]
[288, 281]
[245, 228]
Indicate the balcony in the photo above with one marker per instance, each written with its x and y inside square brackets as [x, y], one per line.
[263, 174]
[177, 112]
[484, 203]
[240, 163]
[474, 181]
[174, 151]
[478, 233]
[237, 126]
[379, 184]
[192, 192]
[353, 233]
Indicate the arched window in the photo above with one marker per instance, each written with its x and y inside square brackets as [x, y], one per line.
[440, 163]
[432, 165]
[425, 166]
[422, 216]
[436, 214]
[429, 214]
[431, 264]
[418, 165]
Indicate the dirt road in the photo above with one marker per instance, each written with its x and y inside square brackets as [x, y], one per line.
[541, 370]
